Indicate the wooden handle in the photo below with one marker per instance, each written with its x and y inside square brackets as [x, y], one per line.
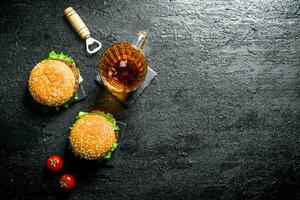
[77, 23]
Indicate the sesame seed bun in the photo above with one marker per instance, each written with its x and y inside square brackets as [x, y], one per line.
[52, 82]
[75, 73]
[92, 136]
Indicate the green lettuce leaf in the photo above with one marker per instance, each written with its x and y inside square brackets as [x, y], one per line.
[108, 155]
[61, 56]
[67, 104]
[114, 146]
[81, 114]
[107, 116]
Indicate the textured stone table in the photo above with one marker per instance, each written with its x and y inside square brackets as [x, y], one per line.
[221, 120]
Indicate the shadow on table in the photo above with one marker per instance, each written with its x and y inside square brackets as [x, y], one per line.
[83, 170]
[43, 110]
[108, 103]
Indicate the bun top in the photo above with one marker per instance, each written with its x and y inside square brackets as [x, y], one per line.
[92, 136]
[51, 83]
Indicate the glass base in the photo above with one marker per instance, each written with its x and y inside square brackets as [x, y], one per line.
[128, 98]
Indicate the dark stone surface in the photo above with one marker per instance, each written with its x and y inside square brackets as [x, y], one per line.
[221, 120]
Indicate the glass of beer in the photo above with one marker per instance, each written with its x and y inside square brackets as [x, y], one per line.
[123, 66]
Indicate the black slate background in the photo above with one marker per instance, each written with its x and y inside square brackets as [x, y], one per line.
[221, 120]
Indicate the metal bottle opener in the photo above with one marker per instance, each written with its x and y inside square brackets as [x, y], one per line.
[82, 30]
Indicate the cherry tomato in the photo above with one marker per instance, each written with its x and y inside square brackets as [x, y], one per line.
[67, 182]
[55, 163]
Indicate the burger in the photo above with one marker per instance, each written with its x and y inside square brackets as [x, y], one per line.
[94, 135]
[54, 82]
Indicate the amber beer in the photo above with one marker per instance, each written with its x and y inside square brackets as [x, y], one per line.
[123, 66]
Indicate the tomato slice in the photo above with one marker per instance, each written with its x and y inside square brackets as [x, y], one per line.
[95, 110]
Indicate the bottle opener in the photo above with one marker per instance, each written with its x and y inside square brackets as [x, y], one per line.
[82, 30]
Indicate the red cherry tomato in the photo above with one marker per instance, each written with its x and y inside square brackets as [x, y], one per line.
[55, 163]
[67, 182]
